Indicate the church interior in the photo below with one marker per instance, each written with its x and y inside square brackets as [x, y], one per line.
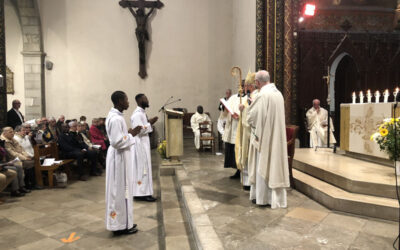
[196, 75]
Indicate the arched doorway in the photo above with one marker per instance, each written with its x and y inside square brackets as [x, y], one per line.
[344, 80]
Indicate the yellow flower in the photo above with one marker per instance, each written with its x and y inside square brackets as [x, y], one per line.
[382, 126]
[383, 132]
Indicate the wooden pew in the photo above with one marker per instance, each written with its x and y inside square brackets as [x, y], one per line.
[49, 151]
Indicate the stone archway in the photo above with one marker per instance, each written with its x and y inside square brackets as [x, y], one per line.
[33, 57]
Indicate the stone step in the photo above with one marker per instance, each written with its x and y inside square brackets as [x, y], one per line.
[340, 200]
[352, 175]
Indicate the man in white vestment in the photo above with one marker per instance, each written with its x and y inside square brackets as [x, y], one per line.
[252, 92]
[230, 131]
[142, 172]
[317, 120]
[195, 120]
[266, 115]
[119, 204]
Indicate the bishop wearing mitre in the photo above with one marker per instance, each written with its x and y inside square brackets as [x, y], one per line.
[243, 155]
[317, 120]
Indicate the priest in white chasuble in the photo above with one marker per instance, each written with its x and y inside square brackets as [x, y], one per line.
[266, 115]
[317, 120]
[195, 121]
[230, 132]
[142, 170]
[119, 188]
[243, 157]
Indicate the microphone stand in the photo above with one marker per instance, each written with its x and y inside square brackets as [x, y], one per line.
[396, 99]
[162, 109]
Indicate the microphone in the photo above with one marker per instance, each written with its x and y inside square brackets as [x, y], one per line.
[165, 104]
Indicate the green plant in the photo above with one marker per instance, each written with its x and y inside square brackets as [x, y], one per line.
[385, 137]
[162, 149]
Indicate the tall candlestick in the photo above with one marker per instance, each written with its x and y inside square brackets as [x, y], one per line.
[377, 96]
[369, 96]
[354, 97]
[386, 96]
[361, 95]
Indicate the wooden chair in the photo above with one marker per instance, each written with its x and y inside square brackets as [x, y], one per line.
[49, 151]
[205, 129]
[291, 135]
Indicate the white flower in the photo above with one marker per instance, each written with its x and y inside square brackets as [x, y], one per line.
[387, 120]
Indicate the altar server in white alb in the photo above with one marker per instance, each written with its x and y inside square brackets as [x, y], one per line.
[119, 204]
[195, 120]
[142, 173]
[267, 116]
[317, 120]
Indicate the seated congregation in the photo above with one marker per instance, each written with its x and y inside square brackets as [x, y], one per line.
[70, 145]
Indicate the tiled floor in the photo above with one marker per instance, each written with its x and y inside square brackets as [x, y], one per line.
[41, 219]
[303, 225]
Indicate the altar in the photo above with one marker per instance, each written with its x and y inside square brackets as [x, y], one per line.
[358, 122]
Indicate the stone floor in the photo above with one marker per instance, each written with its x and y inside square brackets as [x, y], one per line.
[303, 225]
[42, 218]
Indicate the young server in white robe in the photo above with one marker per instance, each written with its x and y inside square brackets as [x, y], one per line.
[267, 115]
[195, 120]
[142, 172]
[119, 204]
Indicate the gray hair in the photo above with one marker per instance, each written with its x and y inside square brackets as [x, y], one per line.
[18, 128]
[72, 123]
[262, 76]
[25, 125]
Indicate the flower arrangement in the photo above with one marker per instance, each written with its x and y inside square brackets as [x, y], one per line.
[162, 149]
[385, 137]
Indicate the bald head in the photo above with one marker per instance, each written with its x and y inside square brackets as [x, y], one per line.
[316, 103]
[16, 104]
[262, 78]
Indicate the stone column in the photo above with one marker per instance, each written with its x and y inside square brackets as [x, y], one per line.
[3, 89]
[34, 89]
[33, 59]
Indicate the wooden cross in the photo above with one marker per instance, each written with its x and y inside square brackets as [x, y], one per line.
[328, 79]
[138, 10]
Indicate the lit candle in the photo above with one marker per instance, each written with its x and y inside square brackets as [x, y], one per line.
[377, 96]
[369, 96]
[361, 97]
[386, 96]
[354, 97]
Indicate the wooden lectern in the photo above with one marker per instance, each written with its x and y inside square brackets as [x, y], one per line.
[174, 136]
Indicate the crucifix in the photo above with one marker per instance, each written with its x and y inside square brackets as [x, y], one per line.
[138, 10]
[328, 100]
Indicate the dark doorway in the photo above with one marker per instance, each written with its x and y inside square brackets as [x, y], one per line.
[346, 81]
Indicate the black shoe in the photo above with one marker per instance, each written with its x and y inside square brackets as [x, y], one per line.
[95, 174]
[254, 201]
[236, 175]
[17, 194]
[37, 187]
[134, 226]
[145, 198]
[24, 190]
[133, 230]
[83, 178]
[247, 188]
[150, 198]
